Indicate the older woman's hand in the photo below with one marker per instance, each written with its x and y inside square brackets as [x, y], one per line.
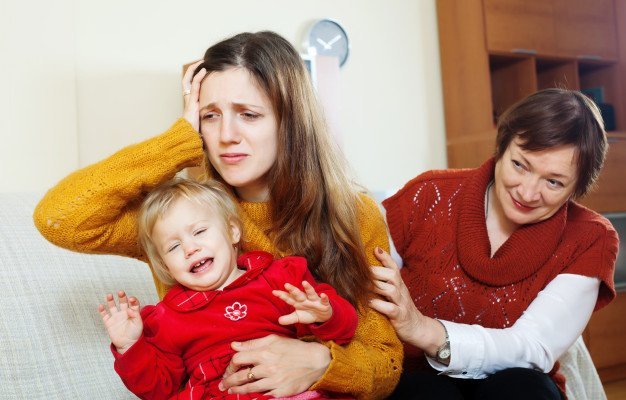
[191, 94]
[410, 324]
[277, 365]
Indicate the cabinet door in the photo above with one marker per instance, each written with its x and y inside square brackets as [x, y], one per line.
[520, 26]
[610, 194]
[464, 68]
[585, 29]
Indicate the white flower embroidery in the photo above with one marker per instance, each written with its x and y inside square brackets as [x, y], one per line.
[236, 312]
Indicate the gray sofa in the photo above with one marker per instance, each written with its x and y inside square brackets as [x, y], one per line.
[52, 343]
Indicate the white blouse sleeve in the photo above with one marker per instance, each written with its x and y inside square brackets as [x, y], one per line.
[548, 327]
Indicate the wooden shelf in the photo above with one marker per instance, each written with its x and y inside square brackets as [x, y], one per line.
[554, 72]
[512, 79]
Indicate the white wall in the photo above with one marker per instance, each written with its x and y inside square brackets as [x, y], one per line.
[87, 77]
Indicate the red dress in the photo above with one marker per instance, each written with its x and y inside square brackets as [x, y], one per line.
[188, 334]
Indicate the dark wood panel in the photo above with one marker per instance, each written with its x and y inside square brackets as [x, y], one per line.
[520, 25]
[464, 68]
[606, 335]
[610, 193]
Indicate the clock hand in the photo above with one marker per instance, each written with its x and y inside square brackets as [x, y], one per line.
[333, 40]
[323, 43]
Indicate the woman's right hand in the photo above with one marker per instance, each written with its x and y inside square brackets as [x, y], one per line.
[276, 365]
[397, 304]
[191, 94]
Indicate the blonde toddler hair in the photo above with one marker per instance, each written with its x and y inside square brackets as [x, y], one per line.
[210, 193]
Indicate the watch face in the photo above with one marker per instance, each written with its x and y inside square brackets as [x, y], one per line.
[330, 39]
[444, 353]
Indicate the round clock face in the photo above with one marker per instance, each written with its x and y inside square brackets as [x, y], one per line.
[330, 39]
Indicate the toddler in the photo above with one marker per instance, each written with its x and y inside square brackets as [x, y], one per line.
[191, 234]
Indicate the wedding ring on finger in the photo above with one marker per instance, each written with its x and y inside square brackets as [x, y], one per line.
[250, 374]
[186, 92]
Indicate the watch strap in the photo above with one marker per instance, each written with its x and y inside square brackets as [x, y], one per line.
[443, 352]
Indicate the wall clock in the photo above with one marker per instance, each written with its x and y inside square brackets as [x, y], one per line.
[329, 38]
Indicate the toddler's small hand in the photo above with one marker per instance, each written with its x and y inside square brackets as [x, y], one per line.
[124, 324]
[310, 308]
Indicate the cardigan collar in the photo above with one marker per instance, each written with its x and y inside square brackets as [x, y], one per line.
[523, 253]
[183, 299]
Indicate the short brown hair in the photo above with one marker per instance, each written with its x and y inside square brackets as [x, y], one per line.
[209, 193]
[557, 117]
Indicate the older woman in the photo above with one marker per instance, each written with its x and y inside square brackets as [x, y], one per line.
[502, 269]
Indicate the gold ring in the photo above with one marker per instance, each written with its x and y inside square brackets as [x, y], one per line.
[186, 92]
[250, 374]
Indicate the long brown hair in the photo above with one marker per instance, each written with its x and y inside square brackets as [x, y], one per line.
[314, 204]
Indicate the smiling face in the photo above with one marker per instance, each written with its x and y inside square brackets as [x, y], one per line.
[531, 186]
[240, 129]
[196, 246]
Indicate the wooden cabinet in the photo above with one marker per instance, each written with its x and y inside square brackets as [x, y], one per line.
[520, 26]
[496, 52]
[580, 29]
[585, 29]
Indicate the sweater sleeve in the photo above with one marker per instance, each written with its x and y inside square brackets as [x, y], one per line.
[148, 370]
[369, 366]
[93, 210]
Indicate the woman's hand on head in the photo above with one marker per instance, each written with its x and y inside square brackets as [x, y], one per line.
[191, 94]
[396, 302]
[280, 366]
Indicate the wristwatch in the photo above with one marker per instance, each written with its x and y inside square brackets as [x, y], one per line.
[443, 352]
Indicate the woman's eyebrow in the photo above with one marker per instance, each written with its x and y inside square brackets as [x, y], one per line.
[235, 105]
[553, 174]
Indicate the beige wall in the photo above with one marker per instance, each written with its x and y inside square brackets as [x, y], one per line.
[38, 141]
[81, 79]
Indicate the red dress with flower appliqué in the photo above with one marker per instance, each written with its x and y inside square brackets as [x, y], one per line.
[187, 336]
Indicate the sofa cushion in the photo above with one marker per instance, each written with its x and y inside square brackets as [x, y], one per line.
[52, 340]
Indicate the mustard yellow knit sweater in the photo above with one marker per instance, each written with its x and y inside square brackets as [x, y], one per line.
[94, 209]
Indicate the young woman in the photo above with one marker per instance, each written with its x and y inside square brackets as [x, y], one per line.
[502, 269]
[264, 136]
